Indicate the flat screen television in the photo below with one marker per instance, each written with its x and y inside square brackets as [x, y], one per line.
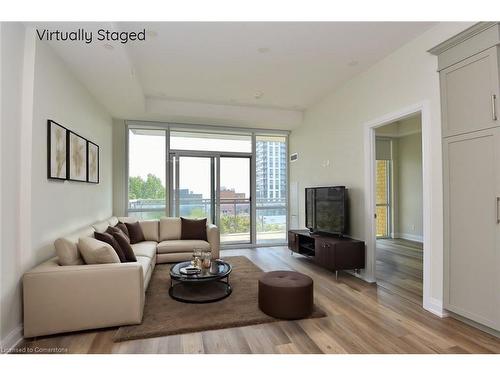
[326, 209]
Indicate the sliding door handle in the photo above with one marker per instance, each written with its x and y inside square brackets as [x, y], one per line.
[494, 107]
[498, 213]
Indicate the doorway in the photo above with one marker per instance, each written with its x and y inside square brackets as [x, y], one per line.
[422, 109]
[215, 186]
[399, 211]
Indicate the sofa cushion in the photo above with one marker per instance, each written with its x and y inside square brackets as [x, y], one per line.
[101, 226]
[145, 249]
[84, 232]
[145, 263]
[124, 243]
[67, 252]
[193, 229]
[112, 221]
[170, 228]
[182, 246]
[135, 232]
[147, 269]
[97, 252]
[127, 219]
[150, 229]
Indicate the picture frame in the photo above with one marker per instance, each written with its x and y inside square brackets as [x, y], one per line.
[57, 151]
[77, 157]
[92, 162]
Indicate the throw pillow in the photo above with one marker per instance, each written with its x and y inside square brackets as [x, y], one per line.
[124, 229]
[67, 253]
[124, 243]
[193, 229]
[96, 252]
[110, 240]
[112, 230]
[135, 232]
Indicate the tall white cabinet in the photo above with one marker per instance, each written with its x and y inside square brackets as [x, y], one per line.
[469, 68]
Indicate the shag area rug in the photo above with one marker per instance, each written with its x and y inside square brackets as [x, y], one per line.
[163, 316]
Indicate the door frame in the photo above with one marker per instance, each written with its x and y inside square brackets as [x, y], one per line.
[370, 225]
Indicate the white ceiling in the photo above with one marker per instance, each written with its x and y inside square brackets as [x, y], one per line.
[212, 72]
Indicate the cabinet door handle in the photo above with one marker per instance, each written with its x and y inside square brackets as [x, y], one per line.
[494, 107]
[498, 213]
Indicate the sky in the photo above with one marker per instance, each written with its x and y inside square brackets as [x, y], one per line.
[147, 155]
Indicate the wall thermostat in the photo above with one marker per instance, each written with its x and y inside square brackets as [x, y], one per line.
[294, 157]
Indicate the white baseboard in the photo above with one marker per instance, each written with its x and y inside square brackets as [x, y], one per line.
[12, 340]
[408, 236]
[435, 306]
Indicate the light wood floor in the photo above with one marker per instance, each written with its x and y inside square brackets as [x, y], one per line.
[399, 267]
[361, 319]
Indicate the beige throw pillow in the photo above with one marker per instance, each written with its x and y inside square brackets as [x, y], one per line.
[97, 252]
[150, 230]
[67, 252]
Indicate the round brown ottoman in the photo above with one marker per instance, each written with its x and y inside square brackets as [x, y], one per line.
[286, 294]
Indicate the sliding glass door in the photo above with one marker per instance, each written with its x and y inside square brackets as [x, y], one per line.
[194, 193]
[216, 187]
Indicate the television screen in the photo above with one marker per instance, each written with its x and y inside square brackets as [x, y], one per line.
[326, 209]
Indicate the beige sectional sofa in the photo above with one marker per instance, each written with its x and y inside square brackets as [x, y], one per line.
[78, 297]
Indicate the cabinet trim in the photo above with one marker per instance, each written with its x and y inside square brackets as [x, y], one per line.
[459, 38]
[470, 42]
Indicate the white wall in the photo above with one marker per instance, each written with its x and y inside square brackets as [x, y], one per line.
[40, 87]
[409, 187]
[333, 130]
[12, 56]
[59, 96]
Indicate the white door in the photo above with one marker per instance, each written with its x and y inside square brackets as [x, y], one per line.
[471, 181]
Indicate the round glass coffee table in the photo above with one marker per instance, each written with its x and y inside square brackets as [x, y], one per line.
[210, 285]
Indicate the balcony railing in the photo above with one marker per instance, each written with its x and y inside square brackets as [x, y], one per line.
[234, 215]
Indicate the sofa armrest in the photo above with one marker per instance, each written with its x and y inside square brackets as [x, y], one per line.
[213, 236]
[72, 298]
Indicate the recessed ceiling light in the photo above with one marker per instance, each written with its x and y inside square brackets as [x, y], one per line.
[152, 33]
[109, 46]
[353, 63]
[263, 49]
[258, 95]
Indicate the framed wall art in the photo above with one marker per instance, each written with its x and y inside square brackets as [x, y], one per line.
[57, 166]
[77, 157]
[92, 162]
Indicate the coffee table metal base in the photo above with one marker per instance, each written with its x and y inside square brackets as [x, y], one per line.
[200, 292]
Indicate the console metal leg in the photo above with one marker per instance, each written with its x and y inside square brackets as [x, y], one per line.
[336, 275]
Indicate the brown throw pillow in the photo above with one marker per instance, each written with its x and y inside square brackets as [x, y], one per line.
[135, 232]
[110, 240]
[124, 229]
[193, 229]
[124, 243]
[112, 230]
